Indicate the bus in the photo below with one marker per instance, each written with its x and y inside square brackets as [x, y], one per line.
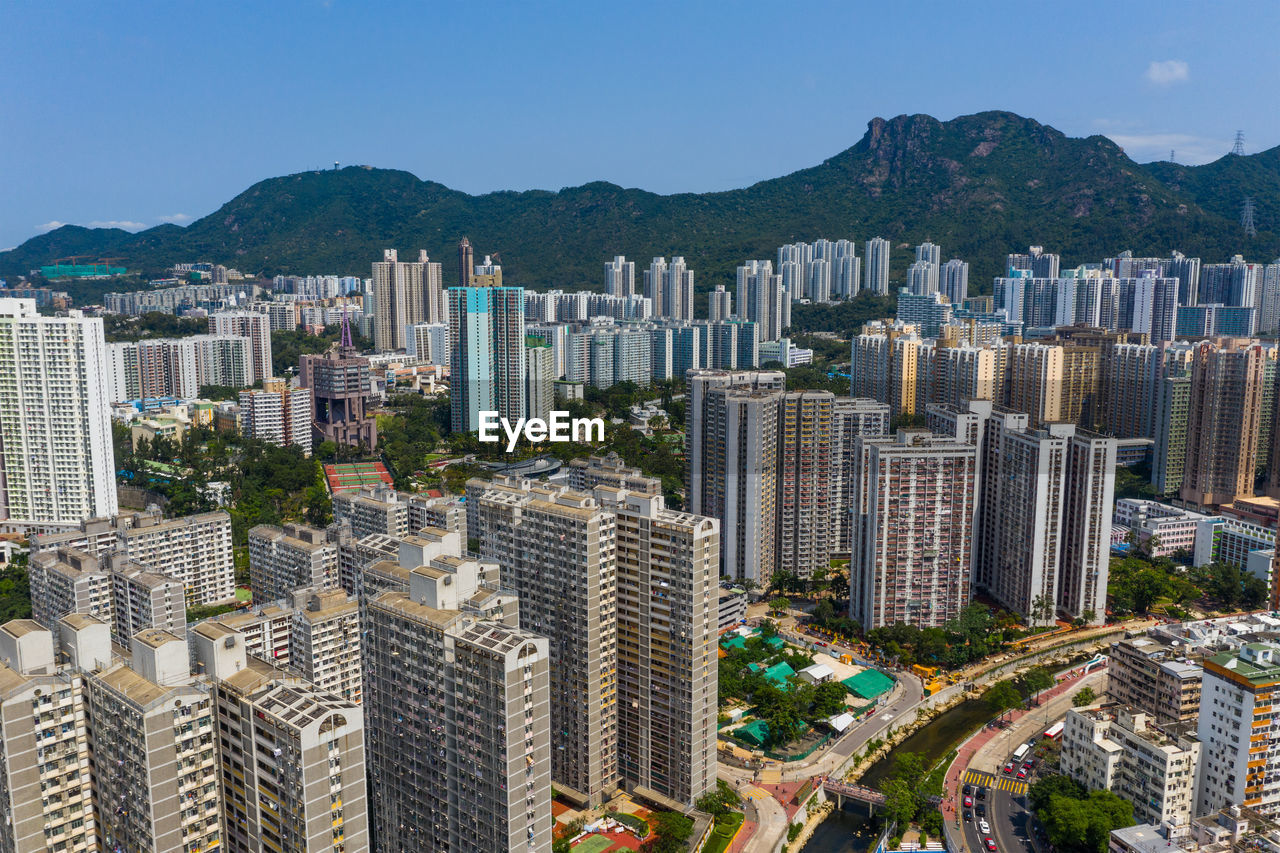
[1055, 731]
[1021, 753]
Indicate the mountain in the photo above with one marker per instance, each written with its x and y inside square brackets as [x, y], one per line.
[979, 185]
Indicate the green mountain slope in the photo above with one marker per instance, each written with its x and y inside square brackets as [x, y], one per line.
[979, 185]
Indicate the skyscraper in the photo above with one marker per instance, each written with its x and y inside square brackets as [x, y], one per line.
[620, 277]
[668, 576]
[878, 266]
[459, 717]
[761, 299]
[954, 282]
[853, 417]
[719, 304]
[540, 380]
[57, 465]
[1170, 407]
[404, 293]
[912, 527]
[557, 550]
[487, 358]
[732, 465]
[1223, 420]
[808, 491]
[247, 324]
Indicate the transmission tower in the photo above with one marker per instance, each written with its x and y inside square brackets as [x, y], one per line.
[1171, 153]
[1246, 218]
[1238, 148]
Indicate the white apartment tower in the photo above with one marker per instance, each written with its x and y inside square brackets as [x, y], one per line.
[405, 293]
[877, 266]
[247, 324]
[620, 277]
[762, 300]
[57, 465]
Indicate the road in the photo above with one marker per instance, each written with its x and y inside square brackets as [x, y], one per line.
[1007, 812]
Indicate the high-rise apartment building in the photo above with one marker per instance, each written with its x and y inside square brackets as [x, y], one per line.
[719, 304]
[540, 377]
[46, 792]
[668, 613]
[324, 641]
[282, 560]
[557, 550]
[292, 756]
[1171, 406]
[885, 365]
[428, 342]
[459, 712]
[1042, 517]
[57, 465]
[852, 417]
[65, 581]
[195, 549]
[911, 544]
[154, 737]
[155, 368]
[380, 509]
[340, 383]
[405, 293]
[922, 279]
[620, 277]
[732, 464]
[808, 492]
[954, 281]
[669, 287]
[487, 366]
[762, 300]
[1036, 261]
[247, 324]
[878, 266]
[1224, 411]
[144, 600]
[1237, 754]
[278, 415]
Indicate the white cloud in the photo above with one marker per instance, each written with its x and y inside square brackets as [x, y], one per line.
[175, 218]
[49, 226]
[1188, 150]
[126, 224]
[1168, 72]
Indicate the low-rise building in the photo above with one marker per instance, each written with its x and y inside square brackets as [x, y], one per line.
[733, 607]
[1124, 752]
[1156, 677]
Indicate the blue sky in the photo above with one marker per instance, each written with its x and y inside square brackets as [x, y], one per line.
[139, 113]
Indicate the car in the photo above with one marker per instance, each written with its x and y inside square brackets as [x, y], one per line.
[1008, 768]
[1022, 772]
[968, 802]
[991, 845]
[968, 789]
[1029, 763]
[981, 809]
[968, 815]
[984, 827]
[982, 793]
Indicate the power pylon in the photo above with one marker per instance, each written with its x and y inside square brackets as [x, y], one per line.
[1246, 218]
[1238, 148]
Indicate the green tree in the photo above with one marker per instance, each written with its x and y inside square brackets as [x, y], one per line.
[781, 604]
[1002, 696]
[1084, 825]
[720, 801]
[900, 802]
[1036, 679]
[673, 830]
[1053, 785]
[829, 699]
[1084, 696]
